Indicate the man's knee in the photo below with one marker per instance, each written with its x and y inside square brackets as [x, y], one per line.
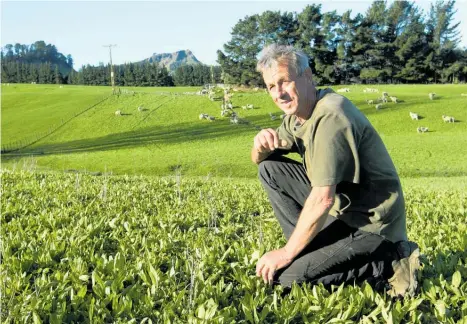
[265, 170]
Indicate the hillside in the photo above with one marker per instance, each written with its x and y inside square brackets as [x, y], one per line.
[37, 53]
[168, 135]
[173, 60]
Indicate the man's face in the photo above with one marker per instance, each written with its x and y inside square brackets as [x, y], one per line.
[291, 93]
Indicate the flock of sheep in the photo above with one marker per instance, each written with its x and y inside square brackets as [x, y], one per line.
[228, 111]
[385, 97]
[227, 107]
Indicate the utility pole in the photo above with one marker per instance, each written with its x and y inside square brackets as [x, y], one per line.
[112, 74]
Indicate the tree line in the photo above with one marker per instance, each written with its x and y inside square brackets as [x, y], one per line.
[394, 43]
[41, 63]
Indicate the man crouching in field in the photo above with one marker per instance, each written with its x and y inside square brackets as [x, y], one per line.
[342, 210]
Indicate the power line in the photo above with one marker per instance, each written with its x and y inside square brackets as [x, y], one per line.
[112, 74]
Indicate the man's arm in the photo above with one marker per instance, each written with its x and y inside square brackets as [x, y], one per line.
[257, 157]
[311, 220]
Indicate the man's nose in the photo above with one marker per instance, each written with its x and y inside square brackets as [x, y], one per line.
[279, 91]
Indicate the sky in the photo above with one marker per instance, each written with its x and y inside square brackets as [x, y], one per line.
[142, 28]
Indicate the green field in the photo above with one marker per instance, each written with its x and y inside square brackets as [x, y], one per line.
[159, 218]
[179, 250]
[169, 136]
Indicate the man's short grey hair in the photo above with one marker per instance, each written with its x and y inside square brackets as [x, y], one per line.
[275, 54]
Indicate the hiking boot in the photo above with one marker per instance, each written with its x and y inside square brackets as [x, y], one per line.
[404, 281]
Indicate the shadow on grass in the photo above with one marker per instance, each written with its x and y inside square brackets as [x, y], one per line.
[174, 134]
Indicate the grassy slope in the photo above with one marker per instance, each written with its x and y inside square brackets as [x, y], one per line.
[32, 109]
[169, 135]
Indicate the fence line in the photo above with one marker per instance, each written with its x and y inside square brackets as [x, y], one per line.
[36, 137]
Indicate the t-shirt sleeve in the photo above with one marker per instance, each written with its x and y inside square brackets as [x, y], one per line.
[334, 152]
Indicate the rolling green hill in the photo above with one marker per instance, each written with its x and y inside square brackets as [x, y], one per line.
[168, 136]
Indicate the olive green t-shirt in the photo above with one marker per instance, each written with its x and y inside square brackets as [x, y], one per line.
[339, 146]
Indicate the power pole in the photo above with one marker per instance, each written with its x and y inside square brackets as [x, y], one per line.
[112, 74]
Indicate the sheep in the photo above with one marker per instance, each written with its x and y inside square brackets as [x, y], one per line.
[414, 116]
[422, 129]
[384, 99]
[225, 113]
[203, 116]
[394, 99]
[249, 106]
[370, 102]
[244, 108]
[432, 95]
[448, 119]
[140, 108]
[343, 90]
[210, 118]
[234, 120]
[385, 94]
[118, 113]
[378, 106]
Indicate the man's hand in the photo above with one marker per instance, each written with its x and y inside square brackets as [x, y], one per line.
[270, 263]
[267, 140]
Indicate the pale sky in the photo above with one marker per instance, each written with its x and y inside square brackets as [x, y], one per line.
[141, 28]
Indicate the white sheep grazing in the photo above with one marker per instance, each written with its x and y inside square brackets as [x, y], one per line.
[370, 90]
[234, 120]
[118, 113]
[343, 90]
[370, 102]
[249, 106]
[422, 129]
[210, 118]
[378, 106]
[414, 116]
[273, 117]
[202, 116]
[432, 95]
[394, 99]
[384, 99]
[244, 108]
[448, 119]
